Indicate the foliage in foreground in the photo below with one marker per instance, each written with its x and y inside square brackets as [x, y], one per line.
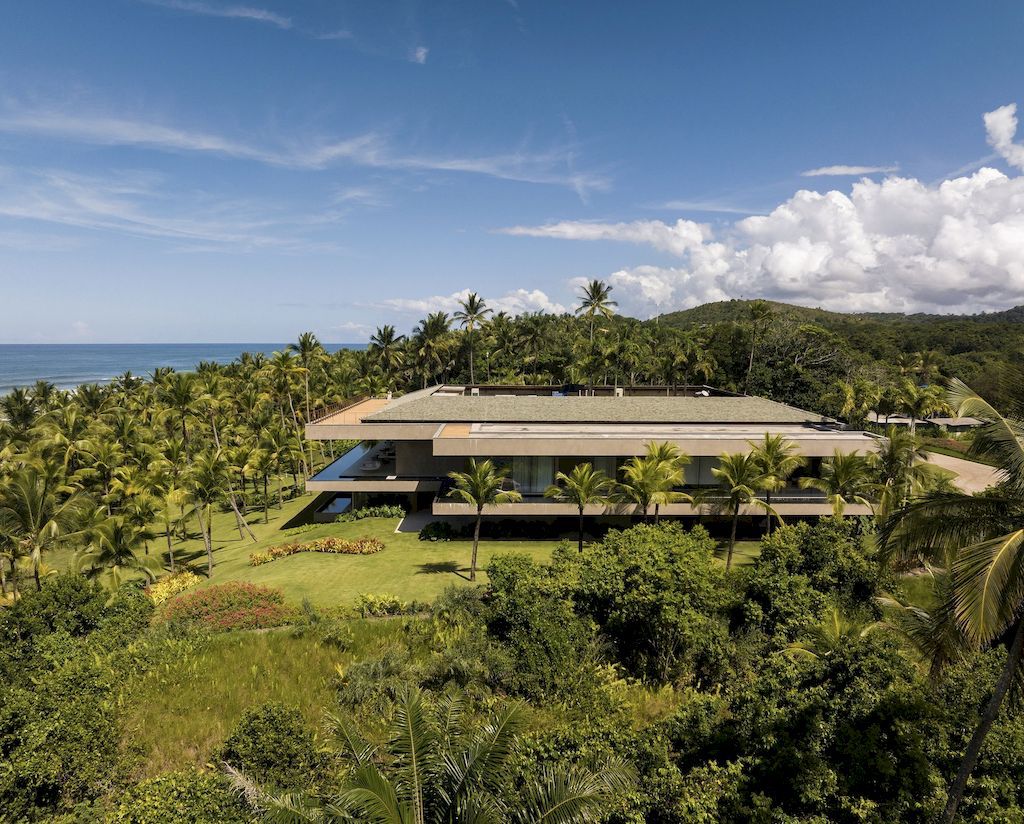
[226, 607]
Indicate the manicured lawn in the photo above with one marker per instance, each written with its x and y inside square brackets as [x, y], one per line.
[413, 570]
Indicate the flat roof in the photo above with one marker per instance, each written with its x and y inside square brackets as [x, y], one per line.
[453, 408]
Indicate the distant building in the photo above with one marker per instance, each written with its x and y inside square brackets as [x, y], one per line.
[409, 444]
[937, 422]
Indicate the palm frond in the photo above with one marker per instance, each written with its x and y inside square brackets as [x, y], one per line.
[988, 586]
[1000, 438]
[373, 799]
[574, 796]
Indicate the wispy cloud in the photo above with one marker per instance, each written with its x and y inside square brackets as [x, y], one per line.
[372, 150]
[257, 15]
[1000, 129]
[705, 206]
[849, 171]
[419, 55]
[140, 205]
[677, 239]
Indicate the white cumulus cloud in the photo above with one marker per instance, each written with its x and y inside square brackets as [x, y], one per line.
[1001, 126]
[515, 302]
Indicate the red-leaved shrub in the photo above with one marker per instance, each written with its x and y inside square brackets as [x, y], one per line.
[228, 606]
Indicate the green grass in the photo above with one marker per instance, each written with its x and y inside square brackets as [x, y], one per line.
[413, 570]
[179, 712]
[743, 554]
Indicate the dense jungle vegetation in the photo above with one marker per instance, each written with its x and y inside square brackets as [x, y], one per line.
[853, 670]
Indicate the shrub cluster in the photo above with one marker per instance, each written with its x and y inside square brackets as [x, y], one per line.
[170, 585]
[383, 511]
[330, 544]
[229, 606]
[371, 605]
[526, 529]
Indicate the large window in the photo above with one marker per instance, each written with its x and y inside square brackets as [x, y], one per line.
[534, 474]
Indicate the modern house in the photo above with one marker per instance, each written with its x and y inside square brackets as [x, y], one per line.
[409, 444]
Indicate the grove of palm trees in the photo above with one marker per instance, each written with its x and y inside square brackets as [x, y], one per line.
[857, 668]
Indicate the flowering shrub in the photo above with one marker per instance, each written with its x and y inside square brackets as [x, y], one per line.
[171, 585]
[330, 543]
[229, 606]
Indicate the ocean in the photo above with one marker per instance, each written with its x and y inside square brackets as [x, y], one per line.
[68, 365]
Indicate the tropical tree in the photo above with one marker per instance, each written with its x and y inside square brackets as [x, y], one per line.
[846, 478]
[207, 480]
[431, 344]
[482, 484]
[777, 458]
[473, 310]
[900, 464]
[438, 766]
[672, 464]
[386, 349]
[595, 299]
[832, 634]
[759, 315]
[920, 402]
[582, 487]
[36, 516]
[740, 478]
[855, 400]
[980, 538]
[642, 480]
[310, 353]
[112, 551]
[178, 393]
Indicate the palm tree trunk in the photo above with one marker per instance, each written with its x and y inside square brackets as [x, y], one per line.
[657, 513]
[581, 529]
[768, 501]
[207, 541]
[988, 717]
[170, 543]
[476, 543]
[732, 536]
[266, 514]
[471, 378]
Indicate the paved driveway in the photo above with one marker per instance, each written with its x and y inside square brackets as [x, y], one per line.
[971, 477]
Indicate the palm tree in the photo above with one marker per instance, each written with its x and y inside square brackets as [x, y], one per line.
[918, 403]
[482, 485]
[431, 344]
[310, 352]
[899, 462]
[35, 516]
[207, 480]
[112, 551]
[178, 393]
[981, 539]
[778, 459]
[386, 348]
[582, 487]
[439, 766]
[854, 400]
[740, 477]
[642, 479]
[672, 464]
[595, 299]
[834, 633]
[472, 313]
[759, 316]
[846, 478]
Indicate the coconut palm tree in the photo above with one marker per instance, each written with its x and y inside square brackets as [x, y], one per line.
[595, 299]
[439, 766]
[777, 459]
[900, 464]
[672, 464]
[386, 349]
[740, 478]
[310, 353]
[207, 480]
[920, 402]
[832, 634]
[112, 551]
[980, 538]
[431, 344]
[178, 392]
[642, 480]
[854, 400]
[36, 516]
[846, 478]
[473, 310]
[481, 485]
[582, 487]
[759, 315]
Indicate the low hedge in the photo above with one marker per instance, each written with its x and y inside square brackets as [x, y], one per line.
[234, 605]
[170, 585]
[384, 511]
[330, 544]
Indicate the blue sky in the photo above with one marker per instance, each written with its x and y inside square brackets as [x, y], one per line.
[210, 170]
